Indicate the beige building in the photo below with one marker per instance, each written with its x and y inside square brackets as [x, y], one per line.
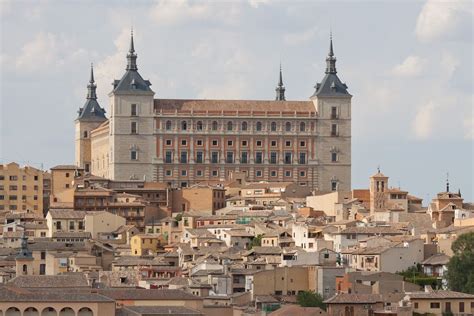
[440, 303]
[182, 142]
[102, 222]
[200, 198]
[22, 188]
[62, 186]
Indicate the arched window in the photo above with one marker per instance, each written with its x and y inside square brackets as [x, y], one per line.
[288, 127]
[214, 126]
[302, 127]
[229, 126]
[274, 126]
[259, 126]
[85, 311]
[67, 311]
[244, 126]
[184, 125]
[25, 269]
[12, 311]
[31, 311]
[199, 126]
[168, 125]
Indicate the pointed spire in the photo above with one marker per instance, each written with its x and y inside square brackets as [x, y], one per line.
[447, 182]
[91, 87]
[280, 89]
[331, 60]
[131, 56]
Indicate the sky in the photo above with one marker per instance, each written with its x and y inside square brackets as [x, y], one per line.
[408, 65]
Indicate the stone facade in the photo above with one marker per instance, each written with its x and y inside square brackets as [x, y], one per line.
[183, 142]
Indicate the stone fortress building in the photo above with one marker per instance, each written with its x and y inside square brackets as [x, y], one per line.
[182, 142]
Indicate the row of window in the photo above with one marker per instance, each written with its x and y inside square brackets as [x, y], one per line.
[15, 178]
[230, 143]
[14, 187]
[15, 197]
[230, 157]
[14, 207]
[231, 126]
[72, 225]
[215, 173]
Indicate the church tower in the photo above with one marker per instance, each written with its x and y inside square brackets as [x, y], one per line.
[24, 259]
[132, 140]
[378, 188]
[91, 115]
[280, 89]
[332, 102]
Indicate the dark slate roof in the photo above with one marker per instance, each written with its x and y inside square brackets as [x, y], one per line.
[132, 82]
[331, 86]
[91, 111]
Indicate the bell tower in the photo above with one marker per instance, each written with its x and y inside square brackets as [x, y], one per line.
[378, 188]
[24, 259]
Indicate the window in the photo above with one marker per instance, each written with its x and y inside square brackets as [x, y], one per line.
[13, 178]
[287, 173]
[85, 134]
[273, 157]
[23, 187]
[71, 225]
[334, 157]
[184, 157]
[273, 126]
[302, 127]
[288, 126]
[333, 185]
[184, 125]
[229, 143]
[288, 143]
[199, 142]
[244, 157]
[259, 143]
[168, 173]
[258, 157]
[302, 174]
[184, 142]
[244, 126]
[13, 198]
[302, 143]
[215, 173]
[43, 255]
[244, 143]
[229, 126]
[434, 305]
[214, 157]
[36, 178]
[334, 112]
[199, 157]
[184, 173]
[81, 225]
[333, 129]
[133, 110]
[133, 128]
[258, 173]
[259, 126]
[273, 143]
[199, 173]
[215, 142]
[168, 156]
[133, 155]
[302, 160]
[461, 307]
[214, 126]
[168, 125]
[230, 157]
[273, 173]
[288, 158]
[168, 142]
[199, 126]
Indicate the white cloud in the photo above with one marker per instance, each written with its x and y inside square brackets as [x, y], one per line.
[38, 53]
[180, 11]
[412, 66]
[424, 121]
[297, 38]
[440, 18]
[449, 64]
[5, 7]
[469, 121]
[256, 3]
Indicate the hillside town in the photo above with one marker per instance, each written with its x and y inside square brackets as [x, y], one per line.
[200, 207]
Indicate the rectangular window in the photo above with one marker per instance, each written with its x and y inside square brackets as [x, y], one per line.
[215, 173]
[81, 225]
[36, 178]
[288, 158]
[23, 187]
[168, 172]
[302, 160]
[133, 128]
[184, 142]
[334, 157]
[434, 305]
[230, 143]
[244, 143]
[258, 173]
[13, 198]
[214, 157]
[199, 142]
[43, 255]
[230, 157]
[273, 143]
[334, 112]
[199, 157]
[288, 143]
[184, 157]
[333, 129]
[333, 186]
[259, 143]
[287, 173]
[273, 173]
[199, 173]
[133, 155]
[13, 178]
[258, 157]
[273, 157]
[42, 269]
[461, 307]
[215, 142]
[133, 111]
[13, 187]
[302, 143]
[169, 142]
[184, 173]
[71, 225]
[244, 157]
[168, 157]
[302, 174]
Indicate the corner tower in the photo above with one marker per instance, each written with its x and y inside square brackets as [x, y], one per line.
[332, 102]
[91, 115]
[132, 140]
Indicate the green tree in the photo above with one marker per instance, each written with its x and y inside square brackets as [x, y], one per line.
[256, 241]
[179, 217]
[460, 275]
[310, 299]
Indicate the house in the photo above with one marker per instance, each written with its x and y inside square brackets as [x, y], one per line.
[65, 220]
[343, 304]
[102, 222]
[436, 265]
[142, 244]
[439, 303]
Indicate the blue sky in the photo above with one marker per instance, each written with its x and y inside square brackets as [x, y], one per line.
[408, 64]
